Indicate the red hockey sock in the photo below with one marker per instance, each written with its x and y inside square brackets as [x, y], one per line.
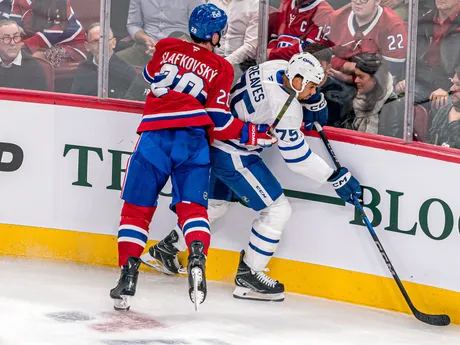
[193, 220]
[133, 232]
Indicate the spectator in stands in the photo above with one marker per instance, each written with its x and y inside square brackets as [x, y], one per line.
[5, 9]
[18, 69]
[121, 75]
[375, 109]
[299, 23]
[366, 27]
[151, 20]
[445, 128]
[118, 17]
[239, 44]
[438, 49]
[53, 29]
[336, 94]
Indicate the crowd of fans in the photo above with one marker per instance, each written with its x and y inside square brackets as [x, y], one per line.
[361, 43]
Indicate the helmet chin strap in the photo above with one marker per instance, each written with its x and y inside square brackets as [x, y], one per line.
[297, 92]
[218, 42]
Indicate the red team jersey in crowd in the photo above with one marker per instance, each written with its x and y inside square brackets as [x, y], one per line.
[71, 35]
[190, 87]
[386, 35]
[297, 24]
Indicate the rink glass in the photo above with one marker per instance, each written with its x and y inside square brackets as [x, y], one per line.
[407, 97]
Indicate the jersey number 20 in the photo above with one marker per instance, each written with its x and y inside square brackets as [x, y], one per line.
[189, 82]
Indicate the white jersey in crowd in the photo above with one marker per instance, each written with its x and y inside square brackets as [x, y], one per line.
[258, 98]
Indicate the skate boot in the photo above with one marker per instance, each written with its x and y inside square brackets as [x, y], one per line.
[196, 273]
[126, 286]
[163, 256]
[256, 286]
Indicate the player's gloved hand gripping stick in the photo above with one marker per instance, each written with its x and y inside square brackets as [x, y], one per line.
[436, 320]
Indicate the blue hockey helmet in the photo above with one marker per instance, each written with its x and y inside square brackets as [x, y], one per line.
[206, 20]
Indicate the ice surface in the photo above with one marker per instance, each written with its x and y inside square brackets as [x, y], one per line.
[44, 302]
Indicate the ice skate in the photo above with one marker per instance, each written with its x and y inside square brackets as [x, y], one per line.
[163, 256]
[256, 286]
[126, 286]
[196, 273]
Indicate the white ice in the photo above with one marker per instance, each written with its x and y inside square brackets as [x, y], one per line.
[44, 302]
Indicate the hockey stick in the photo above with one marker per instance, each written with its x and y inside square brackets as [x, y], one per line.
[285, 107]
[435, 320]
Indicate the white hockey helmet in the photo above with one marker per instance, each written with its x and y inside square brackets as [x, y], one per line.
[306, 66]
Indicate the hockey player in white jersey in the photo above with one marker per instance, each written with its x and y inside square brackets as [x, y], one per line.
[238, 173]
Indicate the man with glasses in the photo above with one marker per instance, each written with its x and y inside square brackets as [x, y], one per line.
[18, 69]
[121, 75]
[366, 27]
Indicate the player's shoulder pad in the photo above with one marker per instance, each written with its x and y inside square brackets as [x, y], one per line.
[226, 67]
[167, 42]
[225, 64]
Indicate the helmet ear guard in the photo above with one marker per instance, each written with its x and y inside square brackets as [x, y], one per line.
[306, 66]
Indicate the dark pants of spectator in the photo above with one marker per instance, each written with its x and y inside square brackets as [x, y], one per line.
[135, 55]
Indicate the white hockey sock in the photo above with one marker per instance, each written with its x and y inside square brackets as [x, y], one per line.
[266, 233]
[262, 245]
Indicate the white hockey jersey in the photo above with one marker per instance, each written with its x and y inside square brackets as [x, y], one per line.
[258, 98]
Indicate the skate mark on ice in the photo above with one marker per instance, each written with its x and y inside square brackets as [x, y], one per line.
[148, 342]
[165, 342]
[69, 316]
[215, 342]
[126, 321]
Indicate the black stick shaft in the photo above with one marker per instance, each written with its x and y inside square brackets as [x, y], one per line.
[436, 320]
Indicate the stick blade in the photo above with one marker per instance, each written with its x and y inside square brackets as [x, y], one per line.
[434, 320]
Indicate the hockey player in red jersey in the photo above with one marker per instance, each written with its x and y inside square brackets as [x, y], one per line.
[298, 23]
[186, 109]
[367, 27]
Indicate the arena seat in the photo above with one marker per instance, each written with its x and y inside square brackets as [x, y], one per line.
[421, 119]
[48, 68]
[64, 76]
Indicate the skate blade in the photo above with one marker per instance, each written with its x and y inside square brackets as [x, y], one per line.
[245, 293]
[150, 261]
[197, 296]
[122, 304]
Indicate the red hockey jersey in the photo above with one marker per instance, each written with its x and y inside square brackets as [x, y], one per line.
[71, 34]
[385, 35]
[297, 24]
[190, 86]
